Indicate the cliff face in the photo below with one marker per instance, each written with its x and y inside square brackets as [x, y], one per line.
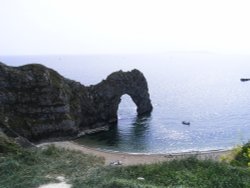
[38, 103]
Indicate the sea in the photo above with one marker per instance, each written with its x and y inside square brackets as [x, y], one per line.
[201, 88]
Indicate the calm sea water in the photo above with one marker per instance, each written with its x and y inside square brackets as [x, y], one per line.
[204, 89]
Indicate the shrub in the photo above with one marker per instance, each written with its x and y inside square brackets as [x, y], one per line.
[239, 156]
[243, 157]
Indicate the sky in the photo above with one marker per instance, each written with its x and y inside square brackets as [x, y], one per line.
[41, 27]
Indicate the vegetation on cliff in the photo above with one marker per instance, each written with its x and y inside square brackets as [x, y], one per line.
[31, 168]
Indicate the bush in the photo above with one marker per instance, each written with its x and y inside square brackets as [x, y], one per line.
[243, 156]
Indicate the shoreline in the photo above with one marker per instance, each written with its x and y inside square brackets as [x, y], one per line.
[128, 159]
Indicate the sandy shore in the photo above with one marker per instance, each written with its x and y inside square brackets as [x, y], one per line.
[134, 159]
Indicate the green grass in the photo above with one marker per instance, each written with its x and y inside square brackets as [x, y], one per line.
[187, 173]
[31, 168]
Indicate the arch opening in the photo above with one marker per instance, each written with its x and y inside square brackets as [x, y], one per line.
[127, 108]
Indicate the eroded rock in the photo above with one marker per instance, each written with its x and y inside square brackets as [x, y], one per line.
[38, 103]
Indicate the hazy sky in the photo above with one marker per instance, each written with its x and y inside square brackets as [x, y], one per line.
[123, 26]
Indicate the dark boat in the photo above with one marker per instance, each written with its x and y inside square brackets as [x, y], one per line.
[245, 79]
[186, 123]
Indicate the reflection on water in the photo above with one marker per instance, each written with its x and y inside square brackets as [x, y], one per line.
[138, 133]
[131, 138]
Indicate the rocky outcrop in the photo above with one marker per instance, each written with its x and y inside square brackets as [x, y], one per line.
[38, 103]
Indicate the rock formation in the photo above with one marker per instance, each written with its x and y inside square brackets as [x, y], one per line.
[38, 103]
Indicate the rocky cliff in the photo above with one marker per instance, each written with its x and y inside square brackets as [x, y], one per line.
[38, 103]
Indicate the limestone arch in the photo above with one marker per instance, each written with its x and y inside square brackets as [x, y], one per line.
[109, 93]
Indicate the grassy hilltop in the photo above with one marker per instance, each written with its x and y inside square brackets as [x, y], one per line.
[30, 168]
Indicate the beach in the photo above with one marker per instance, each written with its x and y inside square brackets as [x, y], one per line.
[128, 159]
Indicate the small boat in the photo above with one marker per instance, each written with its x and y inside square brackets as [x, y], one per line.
[186, 123]
[245, 79]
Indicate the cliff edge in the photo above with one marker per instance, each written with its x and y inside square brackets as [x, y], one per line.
[38, 103]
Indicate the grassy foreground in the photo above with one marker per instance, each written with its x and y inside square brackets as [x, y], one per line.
[31, 168]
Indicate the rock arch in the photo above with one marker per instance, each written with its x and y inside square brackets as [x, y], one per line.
[109, 93]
